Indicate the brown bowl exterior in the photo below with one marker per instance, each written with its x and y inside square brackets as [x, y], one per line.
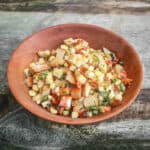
[51, 38]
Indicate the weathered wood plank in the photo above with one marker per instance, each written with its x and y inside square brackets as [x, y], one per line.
[7, 104]
[21, 128]
[86, 6]
[14, 27]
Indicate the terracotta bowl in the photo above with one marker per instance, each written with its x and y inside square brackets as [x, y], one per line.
[51, 38]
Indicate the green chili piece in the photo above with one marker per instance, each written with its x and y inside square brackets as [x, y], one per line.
[122, 87]
[43, 75]
[93, 108]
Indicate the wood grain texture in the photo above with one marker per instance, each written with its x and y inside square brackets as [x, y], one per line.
[86, 6]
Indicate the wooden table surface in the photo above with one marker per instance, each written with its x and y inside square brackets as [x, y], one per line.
[128, 130]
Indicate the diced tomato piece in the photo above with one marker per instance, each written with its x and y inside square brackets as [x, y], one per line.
[78, 41]
[116, 88]
[81, 51]
[123, 74]
[107, 108]
[55, 101]
[76, 93]
[65, 101]
[83, 69]
[54, 95]
[110, 62]
[55, 98]
[126, 81]
[94, 83]
[116, 102]
[81, 112]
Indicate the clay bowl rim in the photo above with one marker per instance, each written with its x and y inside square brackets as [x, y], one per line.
[69, 120]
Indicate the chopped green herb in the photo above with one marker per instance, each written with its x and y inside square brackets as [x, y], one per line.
[44, 98]
[122, 87]
[95, 58]
[113, 57]
[114, 80]
[93, 108]
[104, 94]
[43, 75]
[106, 100]
[63, 76]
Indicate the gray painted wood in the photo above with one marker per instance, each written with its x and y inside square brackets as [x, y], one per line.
[85, 6]
[128, 130]
[22, 129]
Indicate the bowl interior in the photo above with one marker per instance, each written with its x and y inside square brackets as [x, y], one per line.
[51, 38]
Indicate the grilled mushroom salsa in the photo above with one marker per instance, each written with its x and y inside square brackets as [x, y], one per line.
[76, 80]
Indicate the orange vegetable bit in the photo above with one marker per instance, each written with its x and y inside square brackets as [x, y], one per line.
[123, 74]
[76, 93]
[78, 84]
[29, 81]
[81, 112]
[127, 81]
[116, 102]
[107, 108]
[93, 83]
[83, 69]
[81, 50]
[55, 98]
[109, 62]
